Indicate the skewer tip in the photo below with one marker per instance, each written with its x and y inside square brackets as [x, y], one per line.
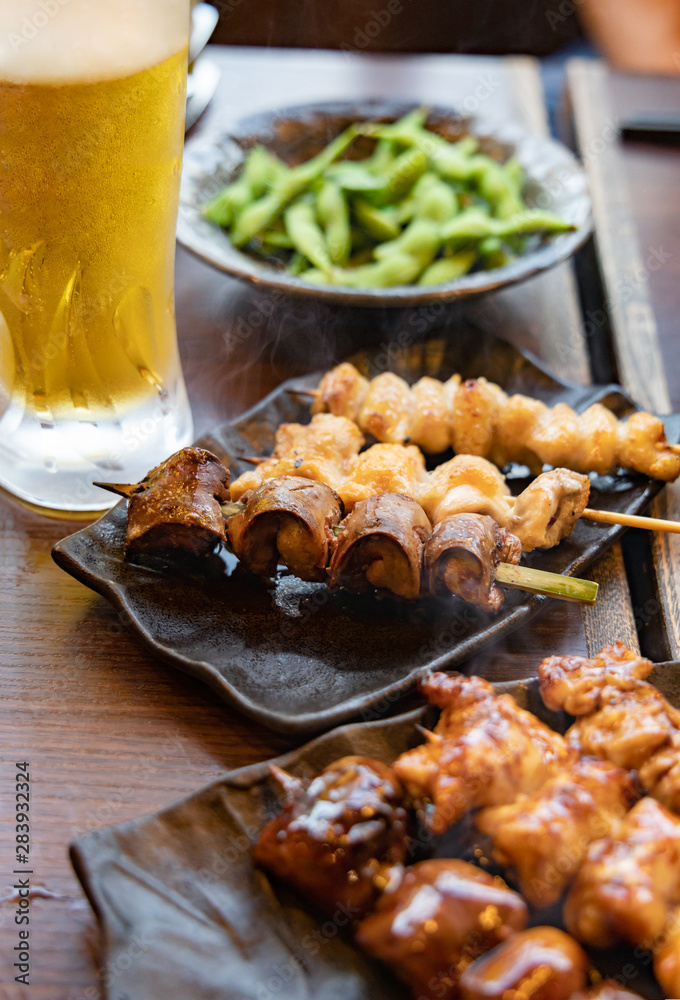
[310, 393]
[120, 489]
[431, 737]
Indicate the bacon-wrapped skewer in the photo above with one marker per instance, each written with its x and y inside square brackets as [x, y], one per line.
[476, 417]
[287, 520]
[293, 520]
[177, 506]
[381, 546]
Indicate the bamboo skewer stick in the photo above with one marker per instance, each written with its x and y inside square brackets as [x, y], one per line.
[310, 393]
[120, 489]
[537, 581]
[632, 520]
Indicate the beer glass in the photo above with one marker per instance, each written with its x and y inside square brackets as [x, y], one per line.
[92, 99]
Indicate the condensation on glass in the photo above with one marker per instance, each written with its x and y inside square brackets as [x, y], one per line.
[91, 129]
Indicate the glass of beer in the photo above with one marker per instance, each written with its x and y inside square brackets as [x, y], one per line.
[92, 99]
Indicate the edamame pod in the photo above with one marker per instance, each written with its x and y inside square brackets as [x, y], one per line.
[260, 170]
[470, 224]
[276, 238]
[333, 213]
[354, 175]
[421, 239]
[532, 220]
[396, 269]
[496, 186]
[307, 237]
[261, 213]
[381, 158]
[400, 178]
[448, 268]
[379, 222]
[437, 202]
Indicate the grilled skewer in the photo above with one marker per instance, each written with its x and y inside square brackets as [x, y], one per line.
[177, 505]
[541, 516]
[293, 520]
[476, 417]
[286, 520]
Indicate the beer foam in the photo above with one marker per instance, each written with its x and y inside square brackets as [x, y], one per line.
[79, 41]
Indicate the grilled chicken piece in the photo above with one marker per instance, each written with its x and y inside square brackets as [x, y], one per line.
[643, 447]
[482, 420]
[667, 955]
[337, 836]
[430, 420]
[466, 484]
[574, 683]
[177, 505]
[476, 415]
[629, 880]
[541, 963]
[442, 916]
[286, 520]
[628, 728]
[461, 556]
[381, 546]
[660, 774]
[385, 412]
[384, 468]
[485, 751]
[342, 392]
[548, 509]
[323, 450]
[542, 839]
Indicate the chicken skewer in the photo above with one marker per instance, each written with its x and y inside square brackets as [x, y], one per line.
[458, 556]
[328, 450]
[540, 517]
[295, 520]
[476, 417]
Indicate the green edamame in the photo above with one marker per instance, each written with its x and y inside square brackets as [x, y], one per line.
[333, 212]
[418, 207]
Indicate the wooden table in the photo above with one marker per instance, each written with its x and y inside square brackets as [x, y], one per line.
[109, 731]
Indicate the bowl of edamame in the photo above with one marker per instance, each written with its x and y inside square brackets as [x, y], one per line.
[381, 204]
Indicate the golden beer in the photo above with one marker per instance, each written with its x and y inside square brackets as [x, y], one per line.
[91, 132]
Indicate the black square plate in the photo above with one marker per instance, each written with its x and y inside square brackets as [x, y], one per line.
[185, 914]
[297, 657]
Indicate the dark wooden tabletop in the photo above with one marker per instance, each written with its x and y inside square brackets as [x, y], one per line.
[109, 731]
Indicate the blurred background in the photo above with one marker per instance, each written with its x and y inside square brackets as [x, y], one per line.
[637, 35]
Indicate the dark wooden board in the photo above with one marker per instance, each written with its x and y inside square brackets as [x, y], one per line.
[625, 267]
[110, 732]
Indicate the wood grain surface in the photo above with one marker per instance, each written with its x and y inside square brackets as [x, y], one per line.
[109, 731]
[626, 263]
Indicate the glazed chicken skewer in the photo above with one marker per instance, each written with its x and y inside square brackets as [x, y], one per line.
[476, 417]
